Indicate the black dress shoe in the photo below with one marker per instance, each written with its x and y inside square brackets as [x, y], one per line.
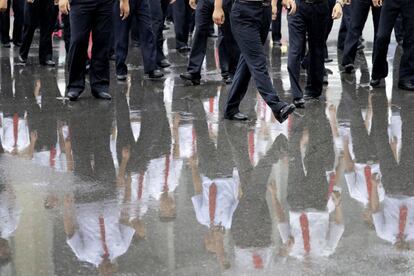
[349, 68]
[155, 74]
[325, 80]
[277, 43]
[17, 44]
[237, 117]
[190, 77]
[164, 63]
[299, 103]
[73, 95]
[377, 83]
[328, 60]
[184, 49]
[49, 63]
[406, 85]
[284, 113]
[310, 97]
[102, 95]
[7, 45]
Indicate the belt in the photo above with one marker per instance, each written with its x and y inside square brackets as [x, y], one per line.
[264, 3]
[314, 1]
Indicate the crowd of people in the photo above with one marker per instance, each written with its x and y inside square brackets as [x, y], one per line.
[243, 27]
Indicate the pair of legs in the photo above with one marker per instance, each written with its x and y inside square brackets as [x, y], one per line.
[18, 8]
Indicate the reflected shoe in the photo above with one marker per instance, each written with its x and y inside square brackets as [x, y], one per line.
[377, 83]
[184, 49]
[73, 95]
[349, 68]
[277, 43]
[406, 85]
[237, 117]
[325, 80]
[229, 80]
[22, 60]
[164, 63]
[284, 113]
[155, 74]
[190, 77]
[49, 63]
[121, 77]
[102, 96]
[299, 103]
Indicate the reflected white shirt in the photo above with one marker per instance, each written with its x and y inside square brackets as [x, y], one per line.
[226, 201]
[87, 242]
[7, 134]
[9, 214]
[386, 222]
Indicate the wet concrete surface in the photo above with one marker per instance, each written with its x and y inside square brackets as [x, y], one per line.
[156, 183]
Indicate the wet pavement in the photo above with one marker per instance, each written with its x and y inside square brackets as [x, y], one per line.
[156, 183]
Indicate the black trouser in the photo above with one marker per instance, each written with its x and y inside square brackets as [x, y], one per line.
[229, 52]
[309, 19]
[328, 26]
[250, 24]
[90, 16]
[345, 25]
[146, 35]
[66, 31]
[389, 13]
[360, 11]
[40, 13]
[18, 11]
[277, 24]
[183, 14]
[157, 16]
[203, 23]
[399, 29]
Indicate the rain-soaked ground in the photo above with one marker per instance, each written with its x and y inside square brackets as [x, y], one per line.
[156, 183]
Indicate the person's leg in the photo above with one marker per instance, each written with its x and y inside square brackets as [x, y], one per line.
[157, 18]
[31, 16]
[232, 51]
[181, 23]
[250, 24]
[345, 25]
[277, 24]
[18, 10]
[360, 11]
[376, 15]
[399, 29]
[147, 37]
[389, 13]
[203, 21]
[101, 25]
[297, 38]
[328, 26]
[5, 24]
[121, 31]
[66, 31]
[407, 59]
[46, 23]
[80, 28]
[316, 55]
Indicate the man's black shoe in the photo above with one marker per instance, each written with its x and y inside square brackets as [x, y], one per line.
[237, 117]
[309, 97]
[156, 74]
[406, 85]
[349, 68]
[164, 63]
[190, 77]
[377, 83]
[22, 60]
[17, 44]
[49, 63]
[121, 77]
[284, 113]
[299, 103]
[277, 43]
[73, 95]
[229, 80]
[328, 60]
[7, 45]
[102, 95]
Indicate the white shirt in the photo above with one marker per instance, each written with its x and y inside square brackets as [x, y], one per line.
[156, 175]
[357, 184]
[395, 130]
[226, 201]
[324, 235]
[9, 214]
[186, 140]
[7, 134]
[386, 222]
[87, 242]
